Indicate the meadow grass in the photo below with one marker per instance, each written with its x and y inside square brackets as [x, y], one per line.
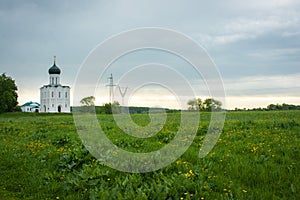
[256, 157]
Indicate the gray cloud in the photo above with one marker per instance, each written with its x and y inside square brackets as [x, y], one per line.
[256, 38]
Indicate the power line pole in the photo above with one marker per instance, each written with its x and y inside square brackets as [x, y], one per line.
[111, 88]
[123, 93]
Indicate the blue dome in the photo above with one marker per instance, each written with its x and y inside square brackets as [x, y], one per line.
[54, 69]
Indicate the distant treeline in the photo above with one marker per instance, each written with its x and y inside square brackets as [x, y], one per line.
[108, 109]
[270, 107]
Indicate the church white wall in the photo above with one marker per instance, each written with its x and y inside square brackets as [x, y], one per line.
[53, 97]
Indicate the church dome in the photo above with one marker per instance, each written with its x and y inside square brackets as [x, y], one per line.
[54, 69]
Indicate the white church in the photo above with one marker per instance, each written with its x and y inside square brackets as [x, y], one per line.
[55, 98]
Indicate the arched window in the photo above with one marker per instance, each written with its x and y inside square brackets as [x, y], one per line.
[52, 94]
[66, 94]
[56, 80]
[58, 94]
[52, 80]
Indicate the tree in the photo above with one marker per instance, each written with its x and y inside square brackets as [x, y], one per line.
[206, 105]
[88, 101]
[200, 104]
[212, 105]
[8, 94]
[112, 108]
[192, 103]
[272, 107]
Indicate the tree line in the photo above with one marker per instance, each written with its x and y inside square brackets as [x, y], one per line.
[272, 107]
[88, 105]
[283, 106]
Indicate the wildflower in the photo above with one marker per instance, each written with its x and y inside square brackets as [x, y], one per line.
[244, 191]
[189, 174]
[254, 150]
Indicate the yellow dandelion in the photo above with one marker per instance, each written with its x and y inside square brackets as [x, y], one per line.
[244, 191]
[254, 150]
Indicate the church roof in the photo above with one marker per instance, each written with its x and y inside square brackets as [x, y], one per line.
[31, 104]
[63, 86]
[54, 69]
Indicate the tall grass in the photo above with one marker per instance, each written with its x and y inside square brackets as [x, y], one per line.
[256, 157]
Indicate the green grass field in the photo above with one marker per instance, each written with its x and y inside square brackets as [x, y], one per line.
[256, 157]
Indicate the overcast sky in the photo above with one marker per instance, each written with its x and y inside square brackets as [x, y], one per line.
[255, 44]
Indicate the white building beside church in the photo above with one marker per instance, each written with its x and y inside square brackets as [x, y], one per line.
[55, 98]
[31, 107]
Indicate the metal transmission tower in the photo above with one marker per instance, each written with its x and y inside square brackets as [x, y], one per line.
[123, 93]
[111, 88]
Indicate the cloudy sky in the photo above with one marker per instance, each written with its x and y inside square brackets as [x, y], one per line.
[255, 44]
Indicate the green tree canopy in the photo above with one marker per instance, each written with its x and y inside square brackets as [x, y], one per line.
[192, 103]
[212, 105]
[8, 94]
[206, 105]
[112, 108]
[88, 101]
